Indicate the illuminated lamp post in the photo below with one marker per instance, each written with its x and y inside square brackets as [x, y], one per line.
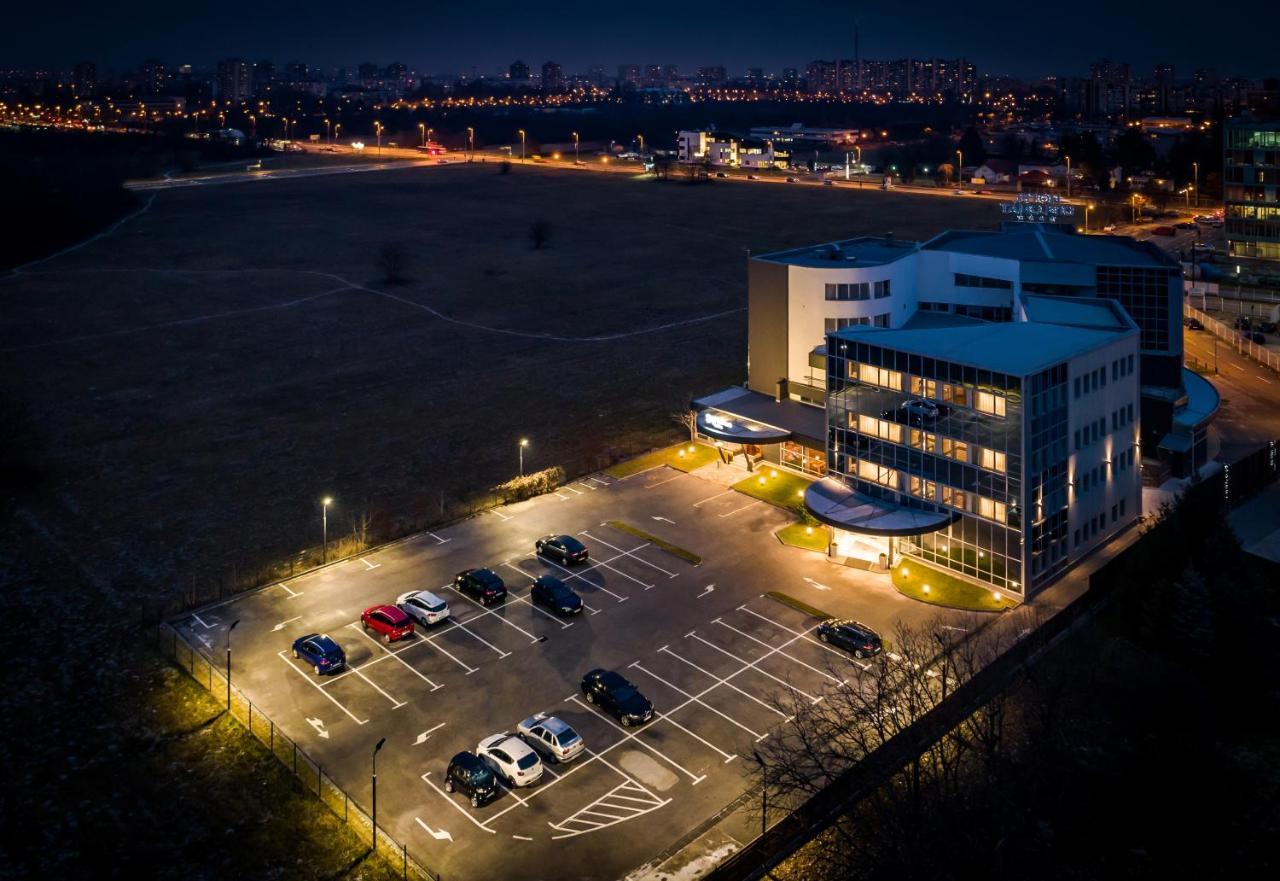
[1195, 166]
[324, 521]
[575, 148]
[422, 130]
[1068, 177]
[471, 143]
[229, 629]
[640, 140]
[376, 748]
[522, 137]
[524, 442]
[959, 169]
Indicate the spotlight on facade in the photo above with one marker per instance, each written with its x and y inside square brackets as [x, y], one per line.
[773, 473]
[925, 589]
[762, 481]
[997, 596]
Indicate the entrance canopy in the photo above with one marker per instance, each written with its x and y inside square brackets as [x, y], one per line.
[837, 504]
[742, 416]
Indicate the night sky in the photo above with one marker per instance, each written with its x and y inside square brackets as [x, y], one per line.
[1020, 38]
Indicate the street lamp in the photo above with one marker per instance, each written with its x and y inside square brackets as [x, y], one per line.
[575, 148]
[422, 129]
[959, 168]
[1088, 206]
[764, 795]
[524, 442]
[1068, 177]
[471, 143]
[229, 629]
[522, 145]
[337, 130]
[1195, 166]
[375, 793]
[640, 140]
[328, 131]
[324, 519]
[430, 132]
[377, 127]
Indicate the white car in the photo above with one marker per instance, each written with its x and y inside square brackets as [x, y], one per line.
[424, 607]
[919, 408]
[511, 759]
[551, 737]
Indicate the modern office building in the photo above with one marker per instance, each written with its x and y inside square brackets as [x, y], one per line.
[1251, 189]
[988, 402]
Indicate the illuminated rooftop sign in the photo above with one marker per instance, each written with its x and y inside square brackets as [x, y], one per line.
[1038, 208]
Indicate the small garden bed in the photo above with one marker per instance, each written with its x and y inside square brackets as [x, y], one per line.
[777, 487]
[802, 535]
[682, 457]
[920, 581]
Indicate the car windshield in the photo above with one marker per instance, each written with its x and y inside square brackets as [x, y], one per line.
[487, 579]
[623, 692]
[564, 738]
[433, 605]
[527, 761]
[481, 776]
[571, 544]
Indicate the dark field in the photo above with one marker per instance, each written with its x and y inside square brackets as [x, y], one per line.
[177, 397]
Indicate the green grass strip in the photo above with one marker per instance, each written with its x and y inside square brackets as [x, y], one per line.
[805, 537]
[657, 542]
[798, 605]
[912, 576]
[682, 457]
[777, 487]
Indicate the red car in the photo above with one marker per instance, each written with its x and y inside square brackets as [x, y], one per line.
[392, 623]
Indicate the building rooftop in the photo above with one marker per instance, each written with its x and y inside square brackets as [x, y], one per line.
[760, 418]
[861, 251]
[1046, 243]
[1090, 312]
[1017, 348]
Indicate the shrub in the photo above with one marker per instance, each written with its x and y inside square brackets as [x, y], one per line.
[530, 485]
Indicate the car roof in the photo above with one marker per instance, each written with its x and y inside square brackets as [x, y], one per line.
[395, 613]
[484, 575]
[324, 641]
[468, 760]
[570, 541]
[427, 597]
[612, 679]
[508, 743]
[849, 622]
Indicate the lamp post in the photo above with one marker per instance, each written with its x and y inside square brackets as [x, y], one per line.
[422, 130]
[377, 747]
[959, 169]
[229, 629]
[524, 442]
[430, 132]
[324, 520]
[328, 132]
[522, 136]
[640, 140]
[337, 130]
[471, 143]
[764, 795]
[575, 148]
[942, 649]
[858, 148]
[377, 127]
[1195, 167]
[1068, 177]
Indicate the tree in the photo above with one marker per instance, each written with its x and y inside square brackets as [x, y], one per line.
[973, 147]
[945, 171]
[539, 233]
[392, 260]
[1132, 151]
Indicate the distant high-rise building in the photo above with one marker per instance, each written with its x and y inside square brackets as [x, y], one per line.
[552, 77]
[518, 72]
[629, 76]
[755, 77]
[85, 79]
[235, 79]
[712, 75]
[264, 75]
[790, 78]
[653, 78]
[367, 72]
[154, 77]
[297, 71]
[1251, 189]
[596, 74]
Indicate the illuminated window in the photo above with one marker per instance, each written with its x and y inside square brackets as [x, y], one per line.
[953, 394]
[954, 497]
[877, 473]
[985, 402]
[890, 379]
[889, 431]
[923, 388]
[992, 510]
[955, 449]
[992, 460]
[924, 440]
[925, 489]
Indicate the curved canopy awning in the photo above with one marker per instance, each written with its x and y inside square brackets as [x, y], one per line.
[728, 427]
[838, 505]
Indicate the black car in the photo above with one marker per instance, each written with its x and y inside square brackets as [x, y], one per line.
[565, 548]
[1194, 324]
[851, 636]
[1267, 327]
[615, 695]
[1243, 323]
[555, 595]
[469, 775]
[1257, 338]
[482, 584]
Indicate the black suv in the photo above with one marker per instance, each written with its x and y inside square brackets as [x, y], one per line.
[555, 595]
[615, 695]
[564, 548]
[469, 775]
[482, 584]
[851, 636]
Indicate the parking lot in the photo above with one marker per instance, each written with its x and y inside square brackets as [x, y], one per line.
[702, 642]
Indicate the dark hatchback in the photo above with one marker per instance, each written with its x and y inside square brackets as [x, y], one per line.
[565, 548]
[616, 696]
[555, 595]
[468, 774]
[481, 584]
[852, 636]
[320, 651]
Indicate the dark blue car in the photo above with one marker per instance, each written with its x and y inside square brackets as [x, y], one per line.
[320, 651]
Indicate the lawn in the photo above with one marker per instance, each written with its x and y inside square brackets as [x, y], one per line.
[777, 487]
[802, 535]
[682, 457]
[657, 541]
[923, 582]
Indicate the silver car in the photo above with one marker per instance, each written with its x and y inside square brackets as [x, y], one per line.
[511, 759]
[424, 607]
[551, 737]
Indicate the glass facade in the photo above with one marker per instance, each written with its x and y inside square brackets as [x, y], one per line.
[931, 434]
[1251, 190]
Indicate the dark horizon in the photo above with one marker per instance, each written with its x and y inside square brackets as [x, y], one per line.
[1035, 44]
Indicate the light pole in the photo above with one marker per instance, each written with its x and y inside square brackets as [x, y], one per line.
[430, 132]
[324, 520]
[422, 130]
[375, 793]
[959, 168]
[858, 149]
[522, 136]
[524, 442]
[764, 795]
[229, 629]
[1195, 167]
[1087, 207]
[1068, 177]
[575, 148]
[328, 132]
[337, 130]
[377, 127]
[471, 143]
[640, 139]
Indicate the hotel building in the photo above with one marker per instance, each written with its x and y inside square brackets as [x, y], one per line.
[1251, 189]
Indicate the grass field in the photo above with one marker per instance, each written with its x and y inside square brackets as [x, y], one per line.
[185, 390]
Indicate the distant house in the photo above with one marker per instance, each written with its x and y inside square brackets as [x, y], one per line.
[996, 171]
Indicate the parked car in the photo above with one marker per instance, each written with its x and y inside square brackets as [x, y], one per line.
[791, 180]
[1256, 337]
[721, 174]
[616, 696]
[390, 621]
[1110, 227]
[919, 409]
[1194, 324]
[752, 177]
[511, 759]
[565, 548]
[482, 585]
[320, 651]
[851, 636]
[1184, 224]
[1268, 326]
[424, 607]
[1164, 231]
[1242, 323]
[828, 183]
[554, 594]
[552, 738]
[985, 193]
[467, 773]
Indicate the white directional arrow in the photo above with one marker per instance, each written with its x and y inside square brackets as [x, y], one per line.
[437, 834]
[319, 727]
[422, 738]
[706, 590]
[666, 520]
[281, 625]
[819, 585]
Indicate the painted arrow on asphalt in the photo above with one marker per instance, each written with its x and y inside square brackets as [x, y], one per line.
[708, 589]
[666, 520]
[819, 585]
[319, 727]
[422, 738]
[437, 834]
[281, 625]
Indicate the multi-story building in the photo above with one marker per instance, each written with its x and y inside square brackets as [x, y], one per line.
[235, 80]
[1251, 189]
[518, 72]
[989, 402]
[629, 76]
[552, 77]
[85, 79]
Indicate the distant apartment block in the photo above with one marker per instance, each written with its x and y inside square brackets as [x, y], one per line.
[235, 80]
[1251, 189]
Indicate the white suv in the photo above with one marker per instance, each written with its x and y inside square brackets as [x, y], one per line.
[424, 607]
[511, 759]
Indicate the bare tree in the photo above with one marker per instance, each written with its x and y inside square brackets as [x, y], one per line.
[687, 419]
[539, 233]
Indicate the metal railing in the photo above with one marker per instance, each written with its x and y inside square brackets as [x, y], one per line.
[1235, 338]
[307, 770]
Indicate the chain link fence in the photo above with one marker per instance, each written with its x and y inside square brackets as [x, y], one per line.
[1235, 338]
[305, 769]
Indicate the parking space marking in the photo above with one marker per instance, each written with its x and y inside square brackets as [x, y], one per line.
[290, 591]
[448, 654]
[822, 673]
[306, 678]
[743, 508]
[805, 637]
[572, 575]
[597, 480]
[437, 834]
[487, 611]
[626, 801]
[725, 682]
[200, 621]
[728, 757]
[456, 806]
[438, 539]
[698, 700]
[712, 498]
[571, 489]
[661, 482]
[632, 554]
[539, 609]
[395, 704]
[586, 485]
[631, 735]
[461, 625]
[358, 629]
[498, 513]
[606, 565]
[752, 665]
[369, 565]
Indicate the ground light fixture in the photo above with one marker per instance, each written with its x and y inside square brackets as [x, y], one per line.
[925, 589]
[997, 596]
[324, 525]
[376, 748]
[906, 573]
[762, 481]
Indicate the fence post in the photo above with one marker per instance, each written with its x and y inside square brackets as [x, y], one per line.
[405, 851]
[319, 781]
[272, 735]
[295, 758]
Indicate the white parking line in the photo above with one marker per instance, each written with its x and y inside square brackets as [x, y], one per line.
[619, 597]
[661, 482]
[632, 554]
[540, 610]
[498, 513]
[571, 489]
[743, 508]
[712, 498]
[596, 480]
[425, 640]
[752, 665]
[460, 809]
[620, 806]
[746, 694]
[699, 701]
[460, 625]
[360, 630]
[823, 673]
[487, 611]
[586, 485]
[631, 735]
[807, 638]
[368, 564]
[395, 704]
[438, 539]
[291, 592]
[317, 687]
